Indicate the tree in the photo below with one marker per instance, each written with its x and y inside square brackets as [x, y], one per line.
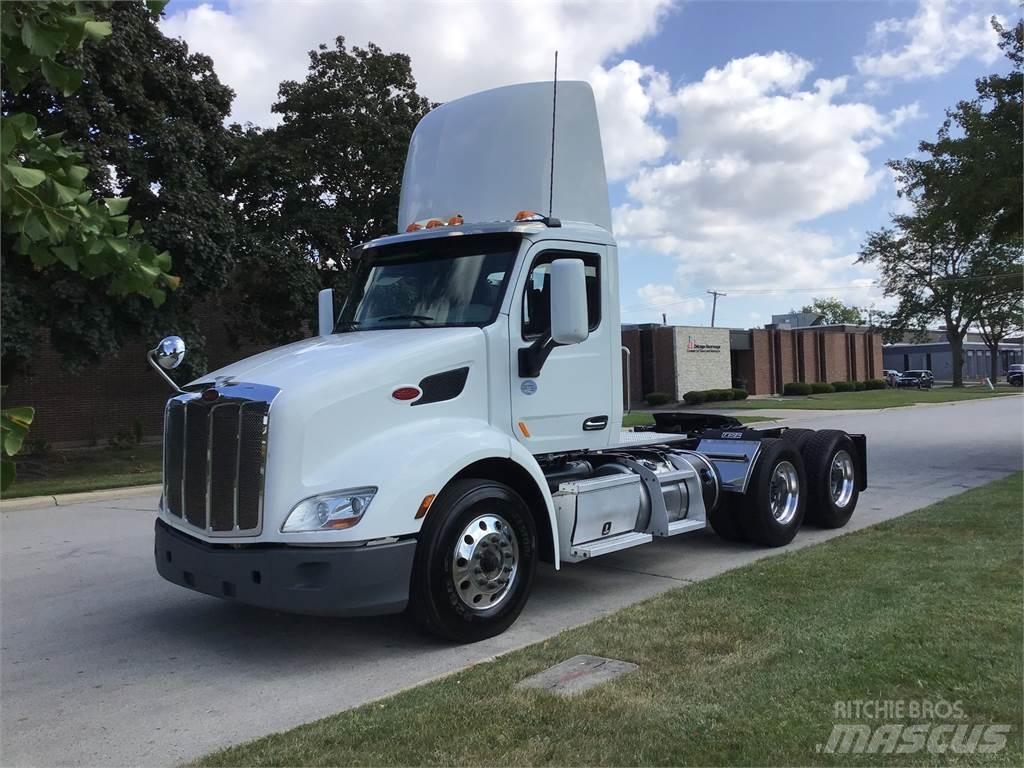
[961, 247]
[974, 170]
[149, 118]
[1001, 314]
[835, 311]
[936, 276]
[52, 223]
[322, 182]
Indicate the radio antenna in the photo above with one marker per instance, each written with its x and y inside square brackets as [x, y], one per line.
[554, 107]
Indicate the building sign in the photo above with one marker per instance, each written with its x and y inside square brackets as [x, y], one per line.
[693, 346]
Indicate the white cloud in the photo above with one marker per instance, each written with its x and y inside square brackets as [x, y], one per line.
[626, 95]
[757, 156]
[456, 47]
[931, 42]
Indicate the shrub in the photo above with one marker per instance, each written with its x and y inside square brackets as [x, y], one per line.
[842, 386]
[722, 394]
[657, 398]
[739, 394]
[822, 388]
[874, 384]
[796, 388]
[695, 397]
[858, 386]
[711, 395]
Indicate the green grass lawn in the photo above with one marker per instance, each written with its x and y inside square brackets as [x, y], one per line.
[642, 418]
[875, 398]
[85, 469]
[742, 669]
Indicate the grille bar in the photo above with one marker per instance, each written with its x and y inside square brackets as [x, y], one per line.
[215, 459]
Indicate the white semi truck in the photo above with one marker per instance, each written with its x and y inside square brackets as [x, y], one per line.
[459, 420]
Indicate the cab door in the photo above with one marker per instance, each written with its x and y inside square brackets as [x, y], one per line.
[567, 405]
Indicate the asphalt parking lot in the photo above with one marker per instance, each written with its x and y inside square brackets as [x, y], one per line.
[103, 663]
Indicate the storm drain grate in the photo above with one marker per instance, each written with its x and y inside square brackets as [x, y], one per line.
[577, 674]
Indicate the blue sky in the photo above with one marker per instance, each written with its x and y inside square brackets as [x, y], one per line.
[745, 141]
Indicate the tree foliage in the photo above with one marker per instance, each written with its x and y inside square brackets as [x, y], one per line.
[52, 222]
[835, 311]
[936, 275]
[958, 254]
[1001, 314]
[148, 118]
[324, 180]
[972, 174]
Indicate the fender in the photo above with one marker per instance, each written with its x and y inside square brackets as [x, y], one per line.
[526, 460]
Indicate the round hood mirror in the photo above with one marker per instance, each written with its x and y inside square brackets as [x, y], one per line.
[170, 352]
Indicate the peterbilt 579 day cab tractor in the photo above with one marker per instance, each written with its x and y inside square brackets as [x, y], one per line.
[459, 420]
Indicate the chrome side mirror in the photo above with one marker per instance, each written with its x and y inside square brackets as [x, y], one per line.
[166, 356]
[170, 352]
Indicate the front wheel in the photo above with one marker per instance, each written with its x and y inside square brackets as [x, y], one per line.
[475, 561]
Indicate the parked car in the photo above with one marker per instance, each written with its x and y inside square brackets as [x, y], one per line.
[890, 376]
[1015, 375]
[918, 379]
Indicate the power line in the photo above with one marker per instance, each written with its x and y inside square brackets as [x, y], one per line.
[814, 289]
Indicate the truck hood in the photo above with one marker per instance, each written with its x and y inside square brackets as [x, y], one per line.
[367, 355]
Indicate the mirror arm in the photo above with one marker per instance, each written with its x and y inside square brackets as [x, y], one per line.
[531, 358]
[151, 357]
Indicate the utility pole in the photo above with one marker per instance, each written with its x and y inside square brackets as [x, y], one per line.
[714, 304]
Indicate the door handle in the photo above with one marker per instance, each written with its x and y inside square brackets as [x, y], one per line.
[595, 423]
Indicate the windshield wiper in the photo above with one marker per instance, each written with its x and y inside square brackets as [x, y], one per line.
[346, 325]
[421, 319]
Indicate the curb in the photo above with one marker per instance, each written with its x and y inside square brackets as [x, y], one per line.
[66, 499]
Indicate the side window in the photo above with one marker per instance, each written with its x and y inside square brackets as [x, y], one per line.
[536, 298]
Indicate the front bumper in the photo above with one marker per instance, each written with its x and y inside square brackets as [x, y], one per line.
[328, 581]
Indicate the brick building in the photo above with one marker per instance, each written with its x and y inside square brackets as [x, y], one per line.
[760, 360]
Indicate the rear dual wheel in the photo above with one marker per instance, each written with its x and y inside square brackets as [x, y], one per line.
[805, 474]
[776, 498]
[772, 510]
[831, 478]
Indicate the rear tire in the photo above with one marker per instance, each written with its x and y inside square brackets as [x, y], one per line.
[725, 518]
[774, 504]
[829, 457]
[797, 436]
[475, 561]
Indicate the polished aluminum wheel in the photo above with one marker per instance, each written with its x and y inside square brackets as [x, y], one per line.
[784, 492]
[841, 479]
[485, 562]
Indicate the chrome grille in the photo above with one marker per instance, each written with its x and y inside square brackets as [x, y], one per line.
[215, 459]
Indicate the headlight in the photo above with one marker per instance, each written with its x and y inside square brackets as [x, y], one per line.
[329, 511]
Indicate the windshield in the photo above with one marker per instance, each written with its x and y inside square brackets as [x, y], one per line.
[440, 282]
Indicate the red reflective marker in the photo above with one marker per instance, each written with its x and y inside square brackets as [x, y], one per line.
[406, 393]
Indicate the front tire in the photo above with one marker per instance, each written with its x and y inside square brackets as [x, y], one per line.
[774, 504]
[475, 561]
